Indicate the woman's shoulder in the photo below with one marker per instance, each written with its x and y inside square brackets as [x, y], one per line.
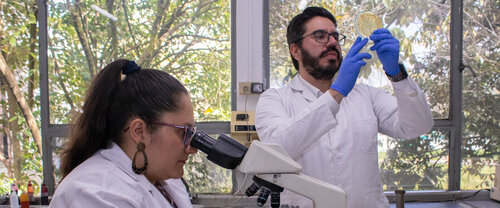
[95, 178]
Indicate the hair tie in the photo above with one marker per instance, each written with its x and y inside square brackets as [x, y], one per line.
[131, 68]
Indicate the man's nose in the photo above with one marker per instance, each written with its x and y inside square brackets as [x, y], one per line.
[331, 40]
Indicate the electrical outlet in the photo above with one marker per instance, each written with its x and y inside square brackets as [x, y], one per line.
[245, 88]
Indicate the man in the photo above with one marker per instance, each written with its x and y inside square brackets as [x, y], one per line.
[330, 126]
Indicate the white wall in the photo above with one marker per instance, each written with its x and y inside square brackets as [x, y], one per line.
[249, 50]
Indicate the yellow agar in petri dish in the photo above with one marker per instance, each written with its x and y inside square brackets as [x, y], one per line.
[366, 23]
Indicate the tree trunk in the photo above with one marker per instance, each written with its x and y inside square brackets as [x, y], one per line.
[21, 102]
[7, 161]
[75, 13]
[17, 154]
[32, 61]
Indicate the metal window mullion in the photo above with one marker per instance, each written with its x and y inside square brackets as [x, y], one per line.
[234, 99]
[456, 36]
[266, 71]
[48, 176]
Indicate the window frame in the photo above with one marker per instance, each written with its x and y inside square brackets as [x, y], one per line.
[452, 124]
[51, 131]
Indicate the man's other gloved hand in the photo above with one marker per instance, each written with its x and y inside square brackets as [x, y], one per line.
[349, 69]
[387, 48]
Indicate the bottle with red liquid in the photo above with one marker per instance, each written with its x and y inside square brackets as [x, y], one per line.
[44, 194]
[31, 197]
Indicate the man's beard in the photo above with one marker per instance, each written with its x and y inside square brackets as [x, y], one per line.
[311, 64]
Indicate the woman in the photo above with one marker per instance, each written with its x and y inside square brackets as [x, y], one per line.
[130, 144]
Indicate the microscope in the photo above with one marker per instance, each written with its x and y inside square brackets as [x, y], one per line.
[272, 168]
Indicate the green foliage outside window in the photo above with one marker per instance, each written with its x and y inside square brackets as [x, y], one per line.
[423, 28]
[190, 39]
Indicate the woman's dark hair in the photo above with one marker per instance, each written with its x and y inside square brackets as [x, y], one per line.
[111, 102]
[296, 28]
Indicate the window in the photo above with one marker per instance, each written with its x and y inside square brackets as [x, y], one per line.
[423, 42]
[481, 130]
[427, 33]
[189, 39]
[415, 164]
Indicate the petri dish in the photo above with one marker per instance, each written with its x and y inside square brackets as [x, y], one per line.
[366, 23]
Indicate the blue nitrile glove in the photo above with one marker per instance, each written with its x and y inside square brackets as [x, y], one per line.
[387, 48]
[349, 69]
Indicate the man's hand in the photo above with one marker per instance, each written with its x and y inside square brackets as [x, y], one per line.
[349, 69]
[387, 48]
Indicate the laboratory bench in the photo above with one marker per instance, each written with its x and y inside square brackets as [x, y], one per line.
[452, 204]
[413, 199]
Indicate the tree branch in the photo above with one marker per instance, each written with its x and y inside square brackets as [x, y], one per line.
[77, 23]
[131, 31]
[23, 105]
[114, 35]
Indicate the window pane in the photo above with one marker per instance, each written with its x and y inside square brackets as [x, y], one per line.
[421, 27]
[57, 149]
[481, 130]
[189, 39]
[204, 176]
[415, 164]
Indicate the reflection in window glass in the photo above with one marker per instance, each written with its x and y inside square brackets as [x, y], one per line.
[57, 149]
[481, 130]
[421, 27]
[204, 176]
[189, 39]
[415, 164]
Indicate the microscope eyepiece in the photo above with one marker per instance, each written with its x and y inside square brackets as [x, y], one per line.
[202, 141]
[224, 151]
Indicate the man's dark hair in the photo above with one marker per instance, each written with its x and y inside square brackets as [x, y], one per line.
[296, 28]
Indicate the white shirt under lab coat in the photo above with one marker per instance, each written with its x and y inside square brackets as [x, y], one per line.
[106, 180]
[338, 143]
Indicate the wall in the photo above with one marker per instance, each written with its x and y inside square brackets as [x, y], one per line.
[249, 49]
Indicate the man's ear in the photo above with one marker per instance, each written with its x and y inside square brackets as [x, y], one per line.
[138, 130]
[295, 51]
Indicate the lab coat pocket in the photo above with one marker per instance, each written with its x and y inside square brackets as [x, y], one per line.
[365, 133]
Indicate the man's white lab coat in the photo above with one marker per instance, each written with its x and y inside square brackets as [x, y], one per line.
[106, 180]
[338, 143]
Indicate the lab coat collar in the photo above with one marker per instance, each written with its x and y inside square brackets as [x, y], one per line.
[309, 92]
[115, 154]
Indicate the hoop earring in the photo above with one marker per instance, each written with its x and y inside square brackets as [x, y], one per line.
[140, 148]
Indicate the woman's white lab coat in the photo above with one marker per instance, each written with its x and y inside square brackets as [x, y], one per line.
[338, 143]
[106, 180]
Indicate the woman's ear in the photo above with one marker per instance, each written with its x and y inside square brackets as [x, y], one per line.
[138, 131]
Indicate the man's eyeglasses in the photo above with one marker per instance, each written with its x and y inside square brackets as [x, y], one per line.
[322, 36]
[189, 131]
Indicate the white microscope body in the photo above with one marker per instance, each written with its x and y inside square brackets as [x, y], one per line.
[272, 167]
[272, 164]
